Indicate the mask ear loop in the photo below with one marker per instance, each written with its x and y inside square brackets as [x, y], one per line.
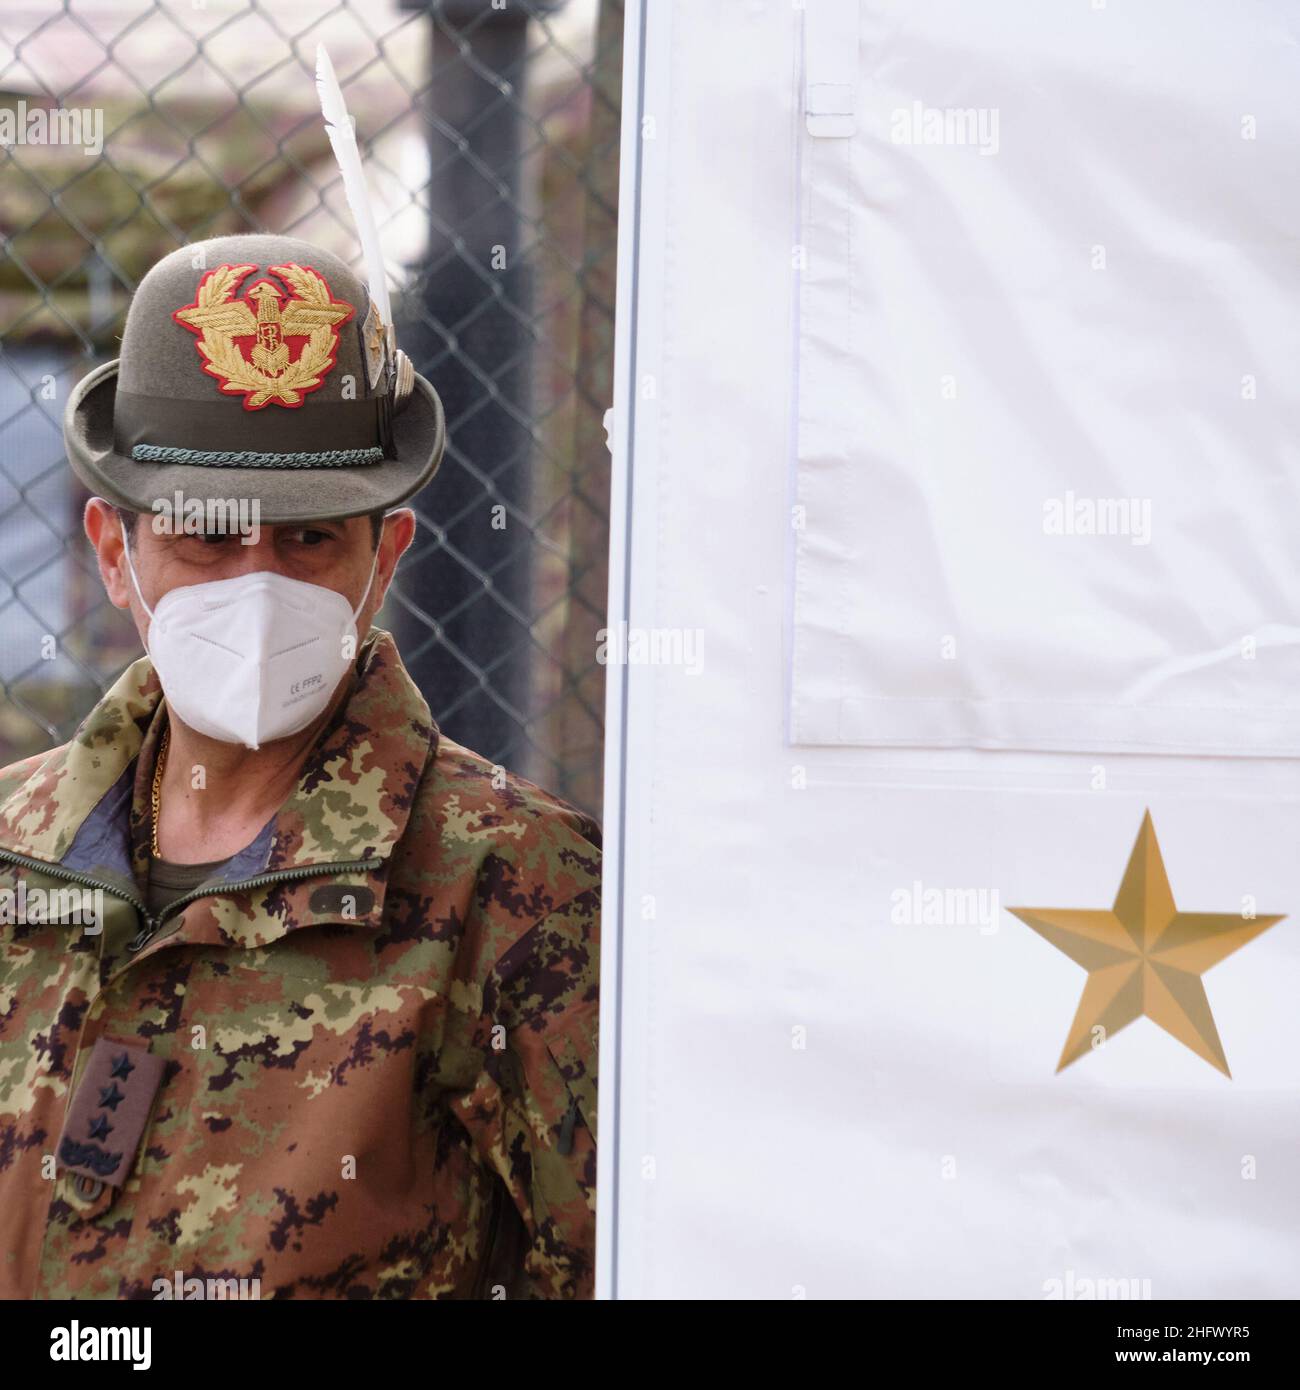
[374, 566]
[126, 545]
[135, 583]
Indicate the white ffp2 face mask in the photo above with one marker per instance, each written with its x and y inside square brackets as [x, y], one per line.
[252, 658]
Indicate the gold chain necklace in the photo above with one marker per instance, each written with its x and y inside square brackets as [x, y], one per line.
[156, 797]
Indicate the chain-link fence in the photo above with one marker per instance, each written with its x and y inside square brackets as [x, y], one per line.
[490, 129]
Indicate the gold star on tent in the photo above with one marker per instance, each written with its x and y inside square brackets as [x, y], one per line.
[1144, 957]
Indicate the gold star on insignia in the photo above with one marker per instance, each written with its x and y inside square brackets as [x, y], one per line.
[1144, 957]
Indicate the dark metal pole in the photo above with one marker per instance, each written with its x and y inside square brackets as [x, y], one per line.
[467, 326]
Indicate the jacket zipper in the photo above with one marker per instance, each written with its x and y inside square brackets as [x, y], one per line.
[353, 866]
[152, 923]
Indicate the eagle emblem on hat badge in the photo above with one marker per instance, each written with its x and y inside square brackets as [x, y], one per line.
[244, 341]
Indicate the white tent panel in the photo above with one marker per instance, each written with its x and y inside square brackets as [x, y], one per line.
[829, 1049]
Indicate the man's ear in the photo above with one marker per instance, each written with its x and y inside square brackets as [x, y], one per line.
[394, 541]
[104, 531]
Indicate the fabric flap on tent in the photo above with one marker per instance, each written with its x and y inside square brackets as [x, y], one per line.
[1046, 467]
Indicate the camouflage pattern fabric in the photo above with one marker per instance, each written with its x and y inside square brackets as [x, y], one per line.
[378, 1028]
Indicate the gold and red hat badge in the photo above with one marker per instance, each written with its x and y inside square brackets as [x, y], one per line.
[274, 344]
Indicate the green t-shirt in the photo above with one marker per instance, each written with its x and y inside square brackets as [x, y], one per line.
[168, 881]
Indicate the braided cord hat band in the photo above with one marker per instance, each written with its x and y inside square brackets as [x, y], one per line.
[245, 458]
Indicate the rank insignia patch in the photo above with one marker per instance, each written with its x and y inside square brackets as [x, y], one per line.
[109, 1112]
[274, 344]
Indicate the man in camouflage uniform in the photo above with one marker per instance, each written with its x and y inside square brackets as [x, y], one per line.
[335, 1030]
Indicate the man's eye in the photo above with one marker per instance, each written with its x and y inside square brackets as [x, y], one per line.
[213, 537]
[307, 536]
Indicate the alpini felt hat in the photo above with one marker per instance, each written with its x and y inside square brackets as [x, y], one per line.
[256, 368]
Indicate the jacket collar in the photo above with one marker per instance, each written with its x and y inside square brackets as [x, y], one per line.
[86, 807]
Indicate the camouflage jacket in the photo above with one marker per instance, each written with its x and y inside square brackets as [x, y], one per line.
[376, 1030]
